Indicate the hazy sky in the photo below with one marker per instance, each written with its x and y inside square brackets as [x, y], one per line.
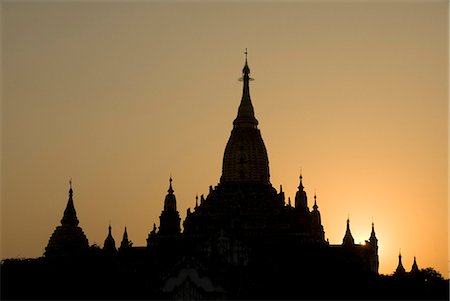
[118, 95]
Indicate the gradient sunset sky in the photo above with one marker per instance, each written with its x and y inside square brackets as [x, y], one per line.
[118, 95]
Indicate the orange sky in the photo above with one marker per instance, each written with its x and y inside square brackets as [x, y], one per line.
[118, 95]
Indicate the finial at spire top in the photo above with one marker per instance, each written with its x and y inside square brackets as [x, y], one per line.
[301, 181]
[170, 190]
[70, 188]
[246, 70]
[315, 207]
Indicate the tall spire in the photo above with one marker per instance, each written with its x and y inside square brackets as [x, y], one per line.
[245, 159]
[246, 114]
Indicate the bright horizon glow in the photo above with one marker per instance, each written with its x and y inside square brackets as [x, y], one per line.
[117, 96]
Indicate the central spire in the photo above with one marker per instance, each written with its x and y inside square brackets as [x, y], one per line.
[246, 114]
[245, 159]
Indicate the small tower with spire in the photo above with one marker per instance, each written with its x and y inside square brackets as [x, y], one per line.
[400, 270]
[415, 267]
[126, 243]
[169, 221]
[68, 238]
[110, 244]
[316, 226]
[301, 199]
[372, 244]
[196, 201]
[348, 240]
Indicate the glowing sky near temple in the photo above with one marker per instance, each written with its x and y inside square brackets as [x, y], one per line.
[118, 95]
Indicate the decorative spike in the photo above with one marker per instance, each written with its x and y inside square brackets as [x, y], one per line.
[315, 207]
[348, 238]
[246, 114]
[170, 191]
[300, 186]
[70, 188]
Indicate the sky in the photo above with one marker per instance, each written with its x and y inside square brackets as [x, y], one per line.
[118, 96]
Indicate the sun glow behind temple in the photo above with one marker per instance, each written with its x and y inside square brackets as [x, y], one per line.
[119, 96]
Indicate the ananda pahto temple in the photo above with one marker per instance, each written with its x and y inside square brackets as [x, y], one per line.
[244, 240]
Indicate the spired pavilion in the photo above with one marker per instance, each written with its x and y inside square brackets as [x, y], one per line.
[241, 241]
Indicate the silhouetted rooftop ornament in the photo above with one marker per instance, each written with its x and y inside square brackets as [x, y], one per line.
[373, 237]
[315, 207]
[170, 185]
[415, 267]
[301, 199]
[196, 201]
[348, 238]
[170, 203]
[169, 220]
[126, 243]
[70, 215]
[300, 186]
[246, 114]
[400, 269]
[110, 243]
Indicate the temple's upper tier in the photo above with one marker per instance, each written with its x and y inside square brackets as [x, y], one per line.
[245, 159]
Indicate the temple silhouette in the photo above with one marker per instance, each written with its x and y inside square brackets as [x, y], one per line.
[242, 241]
